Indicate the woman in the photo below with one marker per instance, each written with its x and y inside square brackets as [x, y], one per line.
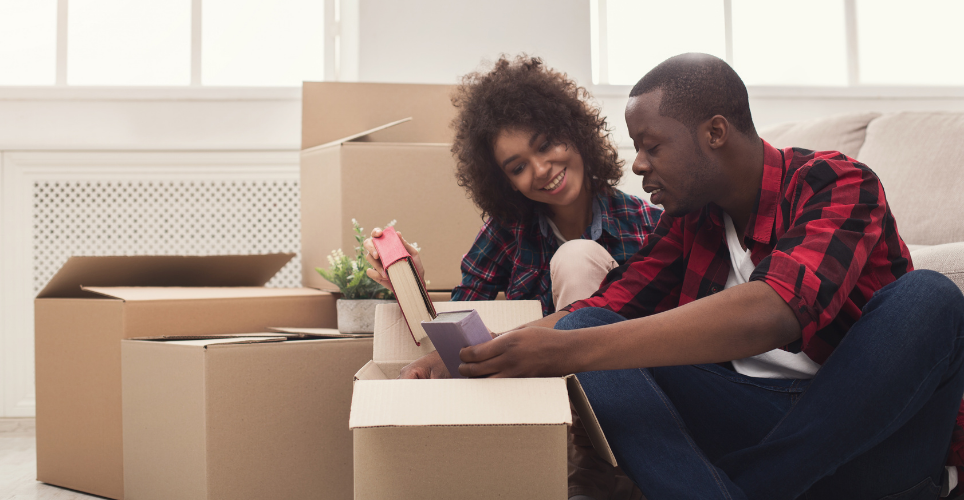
[535, 157]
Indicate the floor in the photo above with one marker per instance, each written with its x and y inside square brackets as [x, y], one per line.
[18, 465]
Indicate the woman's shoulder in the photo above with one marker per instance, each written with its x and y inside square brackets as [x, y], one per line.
[624, 205]
[497, 235]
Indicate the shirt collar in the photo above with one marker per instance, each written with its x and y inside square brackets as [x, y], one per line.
[763, 217]
[595, 227]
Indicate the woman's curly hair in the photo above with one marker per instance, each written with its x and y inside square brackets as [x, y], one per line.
[524, 94]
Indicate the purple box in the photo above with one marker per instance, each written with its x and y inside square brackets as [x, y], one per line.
[451, 331]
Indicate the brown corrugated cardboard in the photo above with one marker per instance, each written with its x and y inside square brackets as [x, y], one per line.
[404, 172]
[238, 418]
[94, 302]
[334, 110]
[458, 438]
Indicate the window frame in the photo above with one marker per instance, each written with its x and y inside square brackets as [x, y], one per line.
[853, 90]
[195, 90]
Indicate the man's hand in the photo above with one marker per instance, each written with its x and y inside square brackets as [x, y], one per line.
[428, 366]
[377, 272]
[527, 352]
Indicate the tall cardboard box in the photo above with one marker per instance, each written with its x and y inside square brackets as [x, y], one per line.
[239, 418]
[94, 302]
[355, 166]
[460, 438]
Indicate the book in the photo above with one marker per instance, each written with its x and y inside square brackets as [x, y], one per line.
[451, 331]
[409, 291]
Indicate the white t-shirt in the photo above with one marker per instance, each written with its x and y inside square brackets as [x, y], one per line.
[771, 364]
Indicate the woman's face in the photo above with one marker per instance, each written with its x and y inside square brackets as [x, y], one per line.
[546, 172]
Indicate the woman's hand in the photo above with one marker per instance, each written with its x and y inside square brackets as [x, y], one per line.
[377, 272]
[428, 366]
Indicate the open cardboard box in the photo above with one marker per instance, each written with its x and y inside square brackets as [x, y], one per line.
[375, 152]
[94, 302]
[250, 417]
[461, 438]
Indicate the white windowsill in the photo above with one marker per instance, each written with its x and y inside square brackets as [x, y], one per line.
[127, 93]
[781, 92]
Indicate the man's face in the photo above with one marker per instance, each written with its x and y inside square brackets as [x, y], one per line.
[676, 171]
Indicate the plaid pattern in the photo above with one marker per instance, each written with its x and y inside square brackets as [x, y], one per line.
[514, 258]
[822, 236]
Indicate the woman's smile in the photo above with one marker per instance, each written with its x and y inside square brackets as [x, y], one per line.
[557, 183]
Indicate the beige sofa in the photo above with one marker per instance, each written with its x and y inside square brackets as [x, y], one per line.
[919, 157]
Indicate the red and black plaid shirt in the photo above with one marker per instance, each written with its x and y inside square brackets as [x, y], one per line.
[821, 235]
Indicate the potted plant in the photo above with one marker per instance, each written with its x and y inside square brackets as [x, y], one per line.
[359, 293]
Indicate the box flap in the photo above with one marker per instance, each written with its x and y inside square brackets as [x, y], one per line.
[450, 402]
[145, 293]
[357, 136]
[167, 338]
[333, 110]
[204, 342]
[163, 270]
[589, 421]
[319, 333]
[393, 341]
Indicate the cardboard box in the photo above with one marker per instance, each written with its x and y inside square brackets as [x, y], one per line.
[239, 418]
[94, 302]
[460, 438]
[361, 160]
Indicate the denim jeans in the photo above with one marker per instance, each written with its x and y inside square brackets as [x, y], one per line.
[875, 422]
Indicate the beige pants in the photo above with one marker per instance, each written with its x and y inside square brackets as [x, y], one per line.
[577, 269]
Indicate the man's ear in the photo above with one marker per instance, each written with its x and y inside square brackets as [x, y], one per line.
[718, 131]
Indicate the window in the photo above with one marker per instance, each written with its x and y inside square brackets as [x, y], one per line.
[162, 42]
[28, 42]
[259, 43]
[910, 43]
[827, 43]
[119, 42]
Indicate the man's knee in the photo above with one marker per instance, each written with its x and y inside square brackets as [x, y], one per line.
[929, 292]
[588, 317]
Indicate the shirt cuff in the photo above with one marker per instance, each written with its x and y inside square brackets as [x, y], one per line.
[796, 284]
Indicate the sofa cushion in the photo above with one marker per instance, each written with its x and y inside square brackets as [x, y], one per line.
[947, 259]
[844, 133]
[919, 157]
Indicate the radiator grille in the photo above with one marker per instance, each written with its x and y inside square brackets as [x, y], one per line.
[165, 217]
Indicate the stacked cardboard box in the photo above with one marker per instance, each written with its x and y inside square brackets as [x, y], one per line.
[361, 159]
[460, 438]
[93, 303]
[240, 418]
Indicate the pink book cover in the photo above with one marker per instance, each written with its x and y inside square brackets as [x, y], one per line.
[451, 331]
[391, 251]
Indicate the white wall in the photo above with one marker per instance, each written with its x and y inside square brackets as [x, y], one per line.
[436, 41]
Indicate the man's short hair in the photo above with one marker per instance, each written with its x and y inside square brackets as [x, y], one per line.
[697, 87]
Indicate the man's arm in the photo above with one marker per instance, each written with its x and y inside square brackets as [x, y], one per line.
[736, 323]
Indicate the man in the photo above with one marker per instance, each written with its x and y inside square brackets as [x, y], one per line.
[769, 341]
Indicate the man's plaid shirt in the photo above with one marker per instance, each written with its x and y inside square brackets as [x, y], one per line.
[821, 235]
[514, 258]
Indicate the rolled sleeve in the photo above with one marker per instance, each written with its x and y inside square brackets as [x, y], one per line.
[818, 261]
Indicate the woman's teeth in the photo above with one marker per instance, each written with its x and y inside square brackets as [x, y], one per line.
[555, 182]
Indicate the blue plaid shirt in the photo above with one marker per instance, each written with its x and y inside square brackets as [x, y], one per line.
[514, 258]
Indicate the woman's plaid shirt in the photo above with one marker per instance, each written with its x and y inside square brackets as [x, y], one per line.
[514, 258]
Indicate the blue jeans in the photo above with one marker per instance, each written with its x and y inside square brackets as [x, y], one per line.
[875, 422]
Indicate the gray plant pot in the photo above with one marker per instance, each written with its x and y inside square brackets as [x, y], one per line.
[358, 315]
